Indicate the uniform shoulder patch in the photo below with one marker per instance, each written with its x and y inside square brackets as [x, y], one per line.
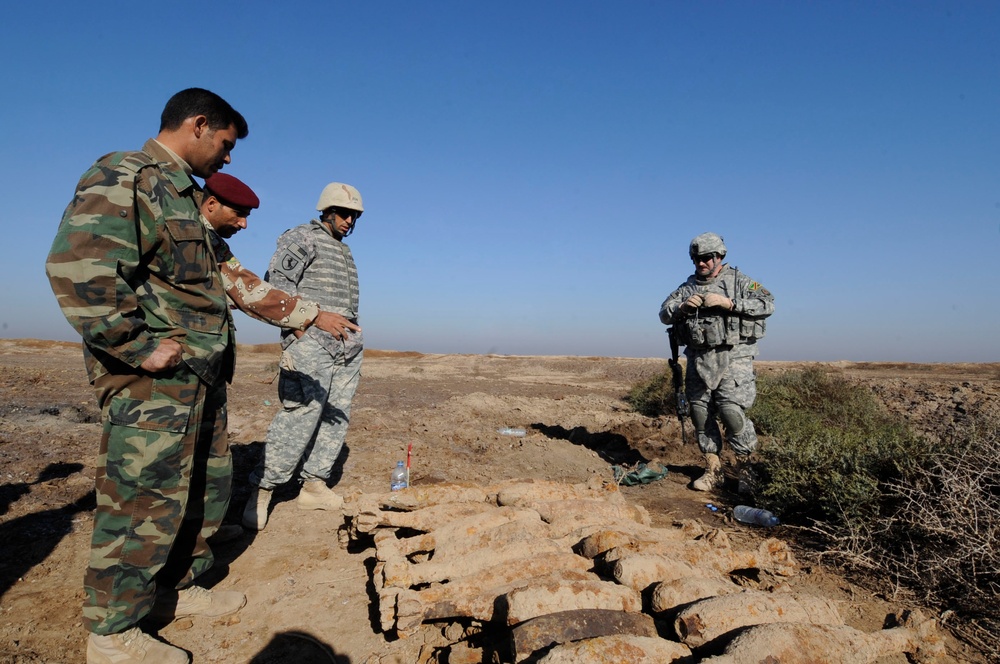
[289, 261]
[294, 254]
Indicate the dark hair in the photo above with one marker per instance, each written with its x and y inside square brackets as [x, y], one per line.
[197, 101]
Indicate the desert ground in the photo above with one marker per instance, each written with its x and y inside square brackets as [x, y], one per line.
[309, 596]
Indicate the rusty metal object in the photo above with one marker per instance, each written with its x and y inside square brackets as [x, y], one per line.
[566, 626]
[707, 619]
[539, 599]
[791, 643]
[618, 649]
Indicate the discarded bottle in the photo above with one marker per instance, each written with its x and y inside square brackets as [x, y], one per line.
[754, 516]
[511, 431]
[398, 479]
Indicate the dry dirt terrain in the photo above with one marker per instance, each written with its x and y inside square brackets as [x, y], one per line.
[309, 596]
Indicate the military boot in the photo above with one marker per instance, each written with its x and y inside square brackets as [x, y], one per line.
[227, 532]
[197, 601]
[133, 646]
[255, 513]
[746, 475]
[713, 477]
[316, 495]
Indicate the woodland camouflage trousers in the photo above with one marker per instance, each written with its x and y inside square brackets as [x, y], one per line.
[164, 478]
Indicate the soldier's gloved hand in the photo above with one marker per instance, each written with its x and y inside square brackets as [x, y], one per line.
[691, 304]
[716, 300]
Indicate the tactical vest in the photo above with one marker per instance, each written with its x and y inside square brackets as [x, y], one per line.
[702, 332]
[331, 279]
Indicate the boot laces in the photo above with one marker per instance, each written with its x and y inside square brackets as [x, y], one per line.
[135, 639]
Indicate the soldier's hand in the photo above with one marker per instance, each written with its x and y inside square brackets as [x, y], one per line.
[692, 303]
[717, 300]
[166, 356]
[335, 324]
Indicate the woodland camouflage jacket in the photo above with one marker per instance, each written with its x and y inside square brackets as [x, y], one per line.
[132, 263]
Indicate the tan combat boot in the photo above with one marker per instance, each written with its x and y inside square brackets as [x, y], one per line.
[132, 646]
[713, 477]
[255, 513]
[197, 601]
[316, 495]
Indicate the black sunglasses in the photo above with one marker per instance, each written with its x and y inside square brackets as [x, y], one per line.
[344, 213]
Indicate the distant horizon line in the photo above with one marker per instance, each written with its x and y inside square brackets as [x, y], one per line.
[387, 352]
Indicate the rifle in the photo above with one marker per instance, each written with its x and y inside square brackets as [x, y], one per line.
[683, 409]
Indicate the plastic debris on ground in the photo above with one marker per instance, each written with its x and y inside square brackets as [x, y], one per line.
[642, 474]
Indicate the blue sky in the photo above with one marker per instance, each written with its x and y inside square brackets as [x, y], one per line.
[533, 171]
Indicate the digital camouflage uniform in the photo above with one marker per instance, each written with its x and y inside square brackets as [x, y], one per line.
[319, 373]
[131, 264]
[720, 346]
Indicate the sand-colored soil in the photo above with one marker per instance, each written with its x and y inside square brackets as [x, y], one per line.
[301, 584]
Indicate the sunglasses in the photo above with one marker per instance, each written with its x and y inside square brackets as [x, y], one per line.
[704, 258]
[345, 214]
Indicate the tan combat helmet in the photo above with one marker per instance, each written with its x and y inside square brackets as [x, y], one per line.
[338, 194]
[707, 243]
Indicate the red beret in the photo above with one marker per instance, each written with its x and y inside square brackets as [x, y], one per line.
[231, 191]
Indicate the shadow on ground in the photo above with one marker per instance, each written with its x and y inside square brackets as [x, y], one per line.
[613, 448]
[29, 539]
[298, 647]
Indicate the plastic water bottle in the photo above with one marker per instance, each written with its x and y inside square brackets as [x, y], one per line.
[511, 431]
[398, 479]
[754, 516]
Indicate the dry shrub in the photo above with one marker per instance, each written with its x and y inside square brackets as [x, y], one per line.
[923, 516]
[942, 540]
[653, 397]
[831, 450]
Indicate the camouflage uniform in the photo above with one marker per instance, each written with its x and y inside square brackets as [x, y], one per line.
[319, 373]
[720, 347]
[256, 297]
[131, 264]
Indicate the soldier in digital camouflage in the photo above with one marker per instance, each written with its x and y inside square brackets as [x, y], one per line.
[133, 271]
[719, 315]
[225, 207]
[319, 371]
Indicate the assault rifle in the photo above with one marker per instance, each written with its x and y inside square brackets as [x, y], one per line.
[683, 409]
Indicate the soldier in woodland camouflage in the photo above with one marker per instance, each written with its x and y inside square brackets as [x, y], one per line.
[719, 314]
[319, 371]
[133, 270]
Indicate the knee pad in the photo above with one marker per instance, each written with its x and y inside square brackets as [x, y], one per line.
[733, 419]
[699, 416]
